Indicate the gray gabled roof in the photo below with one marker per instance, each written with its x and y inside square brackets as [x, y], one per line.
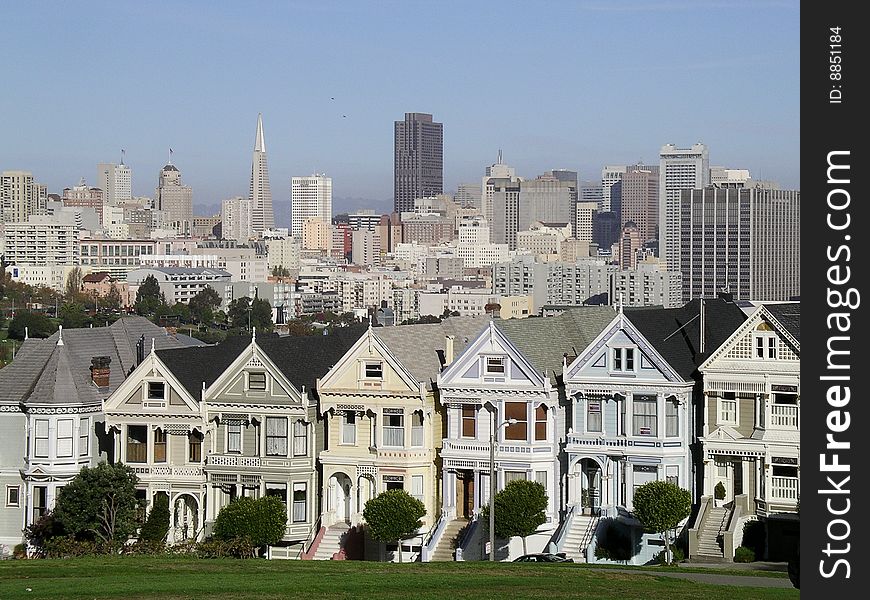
[47, 373]
[788, 315]
[417, 347]
[545, 340]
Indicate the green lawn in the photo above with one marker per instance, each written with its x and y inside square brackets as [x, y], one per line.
[145, 577]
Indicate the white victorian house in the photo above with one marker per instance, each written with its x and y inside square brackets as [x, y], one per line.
[632, 393]
[51, 419]
[506, 384]
[750, 438]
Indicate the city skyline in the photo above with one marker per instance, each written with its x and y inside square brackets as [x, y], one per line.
[332, 112]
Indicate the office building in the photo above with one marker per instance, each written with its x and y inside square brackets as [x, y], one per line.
[20, 196]
[116, 181]
[236, 219]
[679, 169]
[418, 160]
[311, 198]
[84, 196]
[175, 200]
[640, 200]
[260, 194]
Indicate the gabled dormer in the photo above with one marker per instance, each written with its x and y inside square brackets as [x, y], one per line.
[492, 359]
[763, 343]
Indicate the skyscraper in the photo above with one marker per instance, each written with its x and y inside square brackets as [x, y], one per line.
[679, 169]
[744, 241]
[175, 199]
[418, 168]
[116, 182]
[640, 200]
[498, 175]
[262, 215]
[311, 198]
[236, 219]
[20, 196]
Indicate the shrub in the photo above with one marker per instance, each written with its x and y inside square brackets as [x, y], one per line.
[614, 544]
[754, 536]
[744, 555]
[20, 551]
[677, 555]
[262, 521]
[240, 547]
[719, 491]
[157, 526]
[41, 531]
[69, 547]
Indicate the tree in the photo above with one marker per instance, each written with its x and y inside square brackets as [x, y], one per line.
[237, 312]
[393, 516]
[660, 506]
[99, 503]
[113, 298]
[148, 297]
[262, 521]
[204, 304]
[72, 315]
[37, 325]
[74, 284]
[157, 525]
[492, 308]
[520, 508]
[260, 313]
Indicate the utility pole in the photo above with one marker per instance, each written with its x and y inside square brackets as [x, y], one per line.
[492, 486]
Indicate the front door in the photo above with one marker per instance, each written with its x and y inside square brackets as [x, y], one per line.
[464, 494]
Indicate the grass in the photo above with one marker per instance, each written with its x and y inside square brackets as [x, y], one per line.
[176, 578]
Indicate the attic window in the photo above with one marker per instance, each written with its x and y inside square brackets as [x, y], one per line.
[155, 395]
[257, 381]
[374, 370]
[495, 365]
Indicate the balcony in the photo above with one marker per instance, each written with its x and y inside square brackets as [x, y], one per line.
[784, 489]
[223, 460]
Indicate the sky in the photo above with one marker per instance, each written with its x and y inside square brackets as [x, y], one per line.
[575, 85]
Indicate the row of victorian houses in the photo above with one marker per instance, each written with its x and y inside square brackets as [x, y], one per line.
[591, 404]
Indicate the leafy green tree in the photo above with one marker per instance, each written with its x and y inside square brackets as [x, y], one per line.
[520, 508]
[237, 313]
[181, 310]
[37, 325]
[660, 506]
[204, 304]
[41, 531]
[148, 297]
[113, 298]
[393, 516]
[72, 315]
[74, 284]
[157, 525]
[263, 520]
[260, 314]
[99, 503]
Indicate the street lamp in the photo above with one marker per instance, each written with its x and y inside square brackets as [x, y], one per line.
[492, 483]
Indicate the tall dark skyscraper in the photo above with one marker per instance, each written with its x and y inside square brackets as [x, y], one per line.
[419, 160]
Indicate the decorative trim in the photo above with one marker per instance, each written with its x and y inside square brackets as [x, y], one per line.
[64, 410]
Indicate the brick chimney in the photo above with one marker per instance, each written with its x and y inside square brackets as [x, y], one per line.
[100, 371]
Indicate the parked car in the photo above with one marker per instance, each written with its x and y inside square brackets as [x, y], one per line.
[544, 557]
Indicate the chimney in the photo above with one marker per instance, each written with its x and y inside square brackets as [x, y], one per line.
[140, 349]
[448, 349]
[100, 371]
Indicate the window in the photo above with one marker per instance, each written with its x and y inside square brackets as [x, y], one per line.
[417, 487]
[394, 429]
[374, 370]
[672, 417]
[629, 359]
[541, 423]
[495, 365]
[416, 428]
[300, 439]
[469, 421]
[137, 440]
[194, 447]
[672, 474]
[64, 438]
[645, 415]
[766, 346]
[593, 415]
[159, 446]
[617, 359]
[728, 408]
[300, 502]
[234, 436]
[623, 359]
[541, 477]
[257, 381]
[513, 476]
[40, 442]
[156, 390]
[771, 347]
[348, 427]
[84, 436]
[276, 436]
[519, 430]
[13, 496]
[394, 482]
[40, 501]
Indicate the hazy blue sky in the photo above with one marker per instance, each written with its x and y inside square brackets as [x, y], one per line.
[554, 84]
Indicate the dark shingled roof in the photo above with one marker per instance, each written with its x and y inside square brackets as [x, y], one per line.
[302, 359]
[544, 341]
[788, 315]
[44, 372]
[681, 347]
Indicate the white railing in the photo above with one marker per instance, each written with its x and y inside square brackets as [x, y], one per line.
[484, 447]
[221, 460]
[171, 471]
[784, 415]
[784, 488]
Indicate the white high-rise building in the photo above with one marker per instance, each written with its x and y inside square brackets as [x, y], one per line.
[679, 169]
[311, 198]
[583, 220]
[20, 196]
[116, 181]
[609, 176]
[497, 171]
[175, 199]
[262, 214]
[236, 221]
[723, 177]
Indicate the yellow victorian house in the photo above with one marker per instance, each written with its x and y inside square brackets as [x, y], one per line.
[383, 424]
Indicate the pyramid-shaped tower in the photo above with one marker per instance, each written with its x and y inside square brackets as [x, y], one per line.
[262, 215]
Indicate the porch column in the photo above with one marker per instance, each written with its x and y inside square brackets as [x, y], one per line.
[706, 413]
[200, 515]
[708, 476]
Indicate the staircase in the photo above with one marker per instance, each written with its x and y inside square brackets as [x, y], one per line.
[331, 542]
[444, 550]
[579, 536]
[710, 536]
